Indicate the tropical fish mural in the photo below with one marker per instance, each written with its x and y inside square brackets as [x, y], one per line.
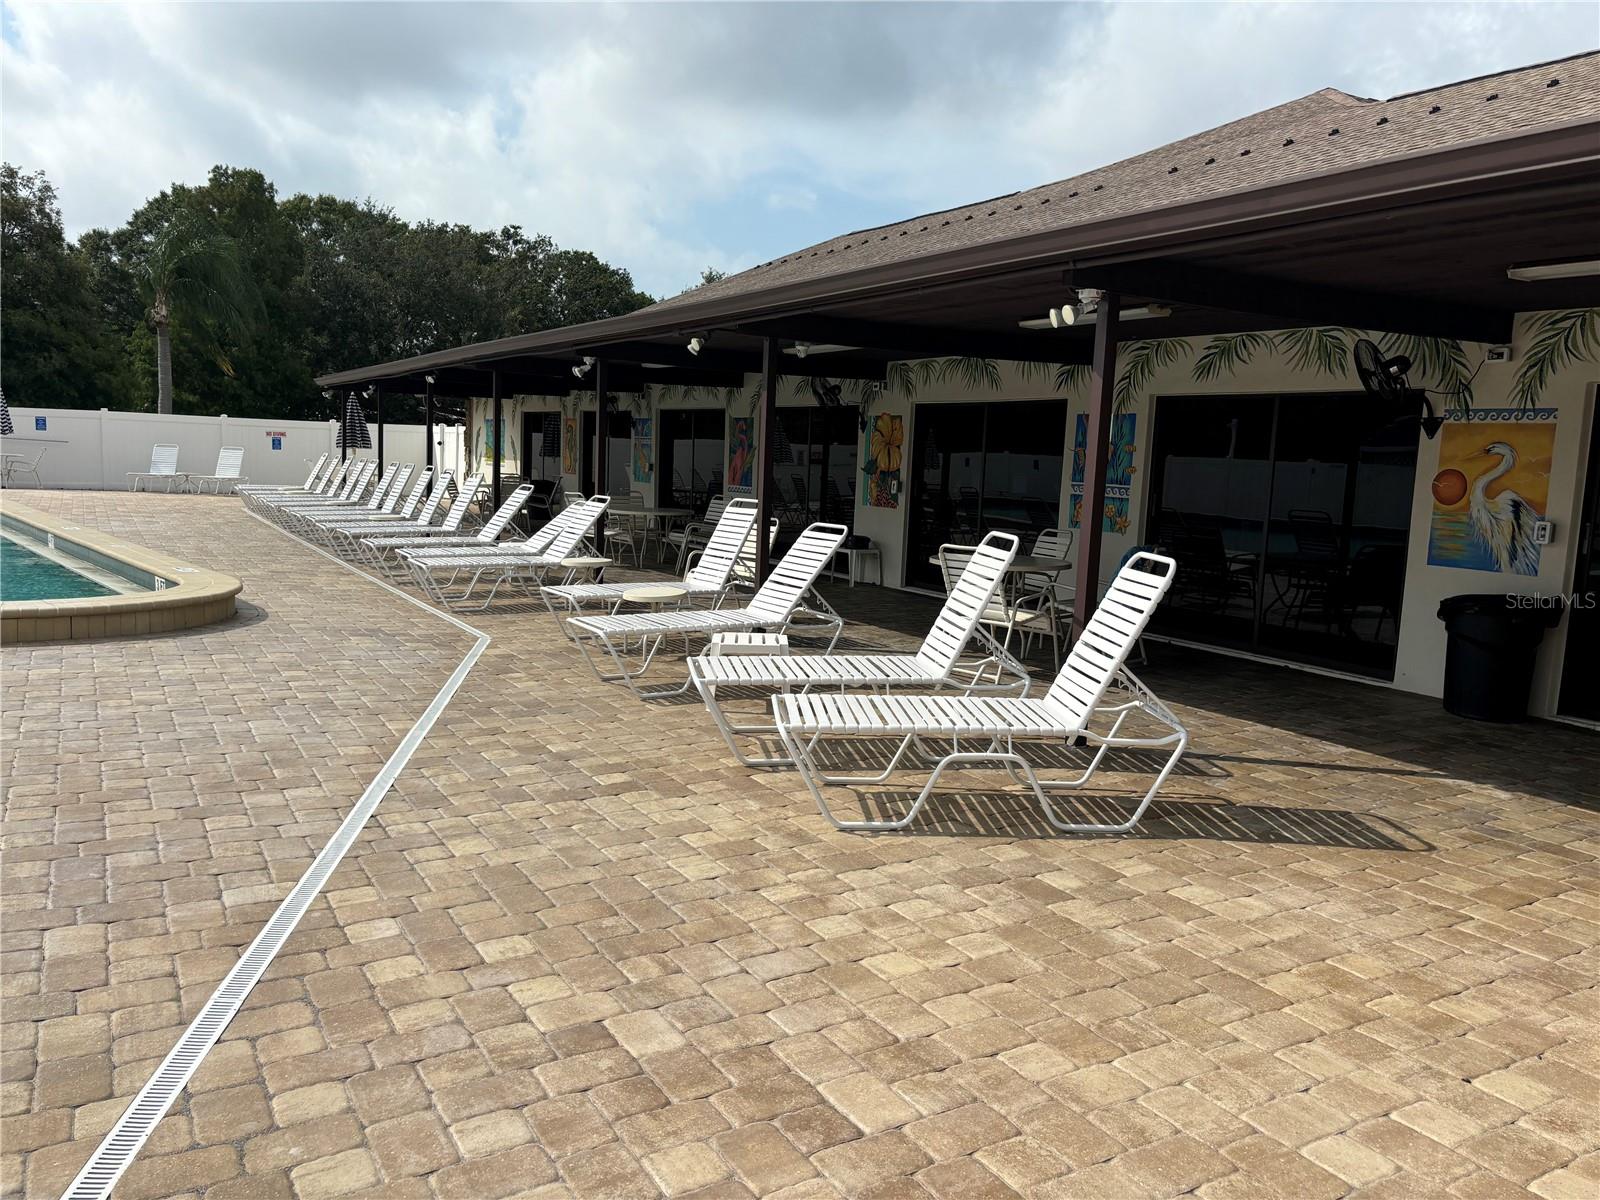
[1119, 470]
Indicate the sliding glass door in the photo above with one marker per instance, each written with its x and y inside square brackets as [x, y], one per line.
[690, 451]
[814, 465]
[982, 467]
[1288, 516]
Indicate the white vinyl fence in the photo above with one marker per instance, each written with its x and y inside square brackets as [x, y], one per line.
[85, 448]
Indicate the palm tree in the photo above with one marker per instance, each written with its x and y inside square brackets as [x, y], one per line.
[195, 274]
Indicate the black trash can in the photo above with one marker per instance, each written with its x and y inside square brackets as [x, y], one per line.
[1493, 644]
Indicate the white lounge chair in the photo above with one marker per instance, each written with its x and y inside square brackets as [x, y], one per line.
[694, 535]
[774, 608]
[344, 527]
[527, 562]
[487, 535]
[359, 490]
[709, 579]
[379, 545]
[314, 474]
[230, 460]
[163, 466]
[323, 480]
[349, 482]
[383, 504]
[992, 725]
[935, 665]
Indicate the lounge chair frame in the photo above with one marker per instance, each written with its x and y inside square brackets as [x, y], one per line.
[786, 601]
[993, 728]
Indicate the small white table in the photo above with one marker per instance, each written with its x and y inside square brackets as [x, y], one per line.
[655, 593]
[852, 555]
[584, 563]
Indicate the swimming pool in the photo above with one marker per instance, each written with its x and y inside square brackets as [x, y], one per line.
[25, 575]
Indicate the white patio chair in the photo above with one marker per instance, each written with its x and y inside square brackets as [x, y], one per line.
[1028, 613]
[163, 466]
[936, 664]
[776, 607]
[708, 579]
[526, 563]
[21, 464]
[993, 725]
[626, 529]
[694, 535]
[230, 459]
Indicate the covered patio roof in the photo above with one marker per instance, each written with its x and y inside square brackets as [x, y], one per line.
[1402, 215]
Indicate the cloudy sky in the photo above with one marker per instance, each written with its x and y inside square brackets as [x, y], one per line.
[670, 136]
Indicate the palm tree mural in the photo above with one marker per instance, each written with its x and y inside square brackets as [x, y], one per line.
[194, 275]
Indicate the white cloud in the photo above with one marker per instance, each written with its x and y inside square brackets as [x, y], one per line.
[667, 137]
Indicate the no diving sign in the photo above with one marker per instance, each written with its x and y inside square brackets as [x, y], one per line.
[276, 436]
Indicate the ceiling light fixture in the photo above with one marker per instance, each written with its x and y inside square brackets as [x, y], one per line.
[696, 344]
[802, 349]
[579, 370]
[1538, 272]
[1056, 320]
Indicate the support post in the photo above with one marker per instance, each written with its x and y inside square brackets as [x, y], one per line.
[602, 441]
[494, 435]
[377, 393]
[1102, 389]
[766, 486]
[427, 422]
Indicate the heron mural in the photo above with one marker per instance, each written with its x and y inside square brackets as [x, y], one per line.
[1492, 487]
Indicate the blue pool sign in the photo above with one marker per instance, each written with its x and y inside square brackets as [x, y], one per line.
[276, 436]
[38, 424]
[277, 443]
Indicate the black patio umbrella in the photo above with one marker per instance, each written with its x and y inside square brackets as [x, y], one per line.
[6, 427]
[353, 434]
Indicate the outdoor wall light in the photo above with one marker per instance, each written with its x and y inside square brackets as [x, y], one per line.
[579, 370]
[697, 344]
[1067, 315]
[1075, 314]
[1536, 272]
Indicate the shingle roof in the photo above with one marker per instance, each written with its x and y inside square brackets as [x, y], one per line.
[1328, 130]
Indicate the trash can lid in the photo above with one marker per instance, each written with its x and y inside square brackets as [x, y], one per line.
[1537, 610]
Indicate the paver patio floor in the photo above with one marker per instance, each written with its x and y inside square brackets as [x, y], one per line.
[579, 951]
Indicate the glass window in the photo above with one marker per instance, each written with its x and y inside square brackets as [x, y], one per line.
[1288, 516]
[690, 448]
[982, 467]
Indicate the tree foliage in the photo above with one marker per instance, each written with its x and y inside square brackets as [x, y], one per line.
[334, 283]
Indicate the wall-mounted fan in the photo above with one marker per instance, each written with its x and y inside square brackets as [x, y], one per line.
[827, 393]
[1386, 379]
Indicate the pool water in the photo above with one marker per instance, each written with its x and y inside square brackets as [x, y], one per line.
[25, 575]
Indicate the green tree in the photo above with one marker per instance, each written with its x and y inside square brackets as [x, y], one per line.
[56, 348]
[195, 274]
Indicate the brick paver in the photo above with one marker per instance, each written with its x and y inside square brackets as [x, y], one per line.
[580, 952]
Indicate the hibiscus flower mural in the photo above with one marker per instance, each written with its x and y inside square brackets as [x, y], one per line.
[885, 448]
